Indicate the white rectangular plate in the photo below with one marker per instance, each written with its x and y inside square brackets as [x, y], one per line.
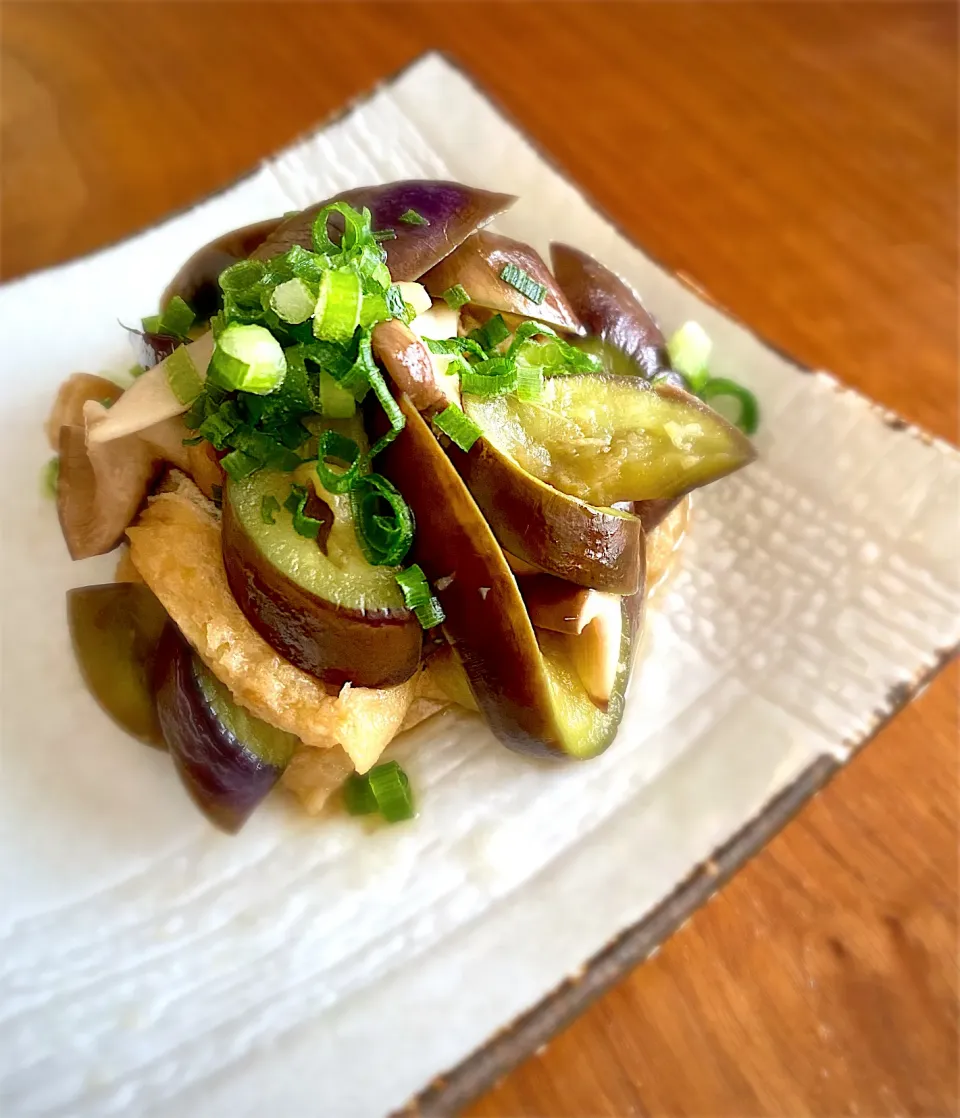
[152, 966]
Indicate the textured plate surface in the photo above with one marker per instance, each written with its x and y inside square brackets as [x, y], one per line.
[153, 967]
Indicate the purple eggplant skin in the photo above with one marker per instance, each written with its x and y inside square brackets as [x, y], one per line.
[477, 265]
[150, 349]
[452, 211]
[225, 776]
[197, 280]
[610, 309]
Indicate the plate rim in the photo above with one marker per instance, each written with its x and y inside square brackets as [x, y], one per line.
[450, 1091]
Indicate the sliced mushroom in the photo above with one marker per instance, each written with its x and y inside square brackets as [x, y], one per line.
[149, 400]
[593, 623]
[76, 390]
[100, 489]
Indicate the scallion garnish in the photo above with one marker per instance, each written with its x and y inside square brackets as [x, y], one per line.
[456, 297]
[248, 359]
[385, 235]
[338, 306]
[334, 445]
[411, 217]
[177, 318]
[494, 377]
[151, 324]
[748, 418]
[239, 465]
[417, 596]
[295, 503]
[182, 376]
[383, 520]
[524, 283]
[293, 301]
[390, 406]
[335, 401]
[457, 427]
[689, 351]
[430, 614]
[269, 507]
[491, 333]
[50, 477]
[358, 797]
[413, 583]
[385, 788]
[241, 277]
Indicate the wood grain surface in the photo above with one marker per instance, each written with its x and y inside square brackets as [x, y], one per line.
[799, 161]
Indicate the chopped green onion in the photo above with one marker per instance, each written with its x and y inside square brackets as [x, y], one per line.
[529, 382]
[151, 324]
[413, 583]
[182, 375]
[303, 525]
[749, 417]
[267, 450]
[269, 507]
[492, 333]
[383, 520]
[411, 217]
[293, 301]
[249, 359]
[396, 307]
[456, 297]
[493, 377]
[177, 318]
[358, 797]
[390, 406]
[391, 789]
[458, 427]
[50, 478]
[136, 371]
[338, 306]
[384, 789]
[689, 351]
[385, 235]
[356, 229]
[239, 465]
[524, 283]
[241, 277]
[459, 347]
[334, 445]
[430, 614]
[335, 401]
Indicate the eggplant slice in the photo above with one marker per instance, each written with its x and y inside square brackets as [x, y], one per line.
[532, 700]
[478, 265]
[449, 212]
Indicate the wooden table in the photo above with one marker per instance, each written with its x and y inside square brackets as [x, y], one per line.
[798, 160]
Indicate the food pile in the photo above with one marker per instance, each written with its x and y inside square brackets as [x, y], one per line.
[376, 460]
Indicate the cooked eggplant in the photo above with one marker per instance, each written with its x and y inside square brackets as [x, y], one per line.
[533, 702]
[228, 759]
[558, 533]
[196, 282]
[448, 211]
[115, 630]
[478, 265]
[601, 548]
[606, 439]
[610, 310]
[317, 601]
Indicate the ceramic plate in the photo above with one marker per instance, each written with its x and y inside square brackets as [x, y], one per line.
[152, 966]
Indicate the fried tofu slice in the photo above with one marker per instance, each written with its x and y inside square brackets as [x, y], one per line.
[175, 546]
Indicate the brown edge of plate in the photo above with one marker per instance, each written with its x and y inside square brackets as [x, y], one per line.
[450, 1092]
